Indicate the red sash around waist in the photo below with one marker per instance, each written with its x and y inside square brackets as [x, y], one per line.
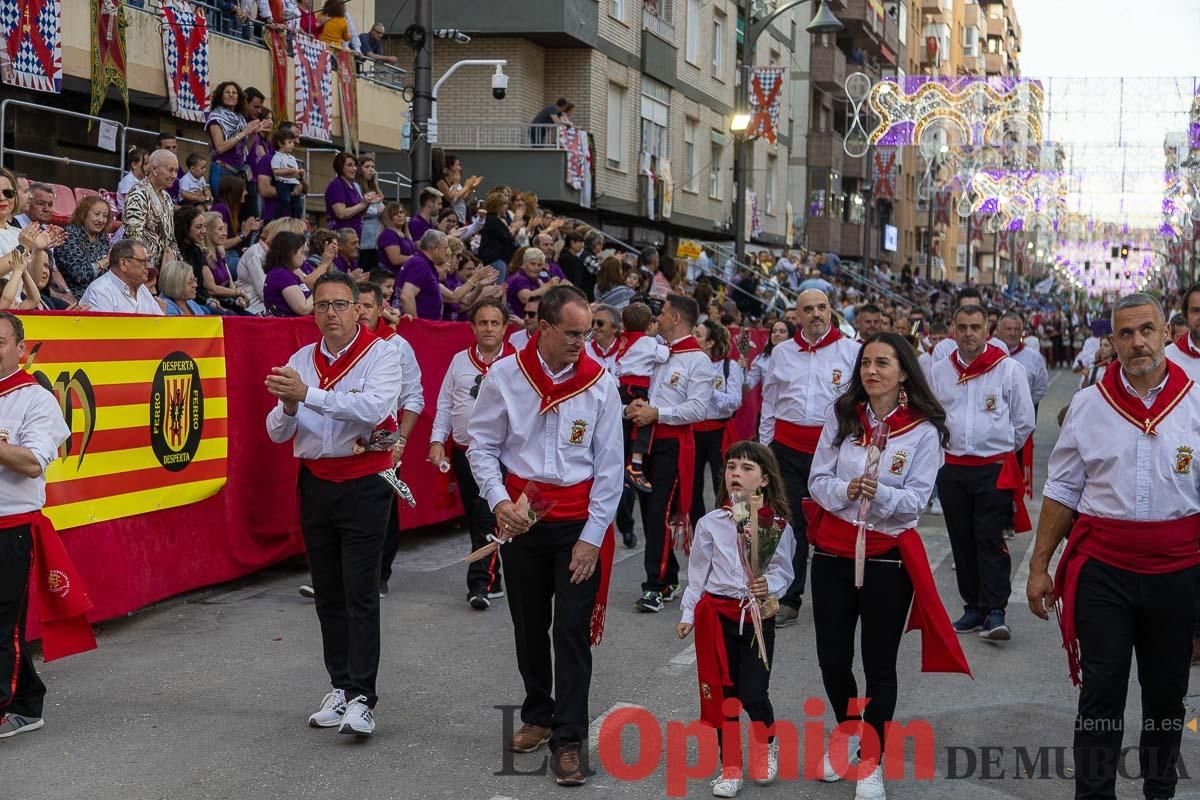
[570, 504]
[346, 468]
[685, 468]
[940, 649]
[798, 437]
[635, 380]
[1011, 479]
[56, 589]
[709, 425]
[1147, 548]
[712, 662]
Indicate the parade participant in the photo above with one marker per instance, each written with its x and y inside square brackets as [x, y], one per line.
[1127, 579]
[679, 395]
[31, 430]
[332, 396]
[989, 413]
[868, 321]
[937, 334]
[728, 663]
[605, 341]
[1184, 350]
[638, 355]
[711, 433]
[781, 331]
[806, 374]
[521, 338]
[558, 567]
[886, 386]
[448, 439]
[371, 310]
[1010, 330]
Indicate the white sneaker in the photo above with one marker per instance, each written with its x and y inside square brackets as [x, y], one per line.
[729, 784]
[828, 773]
[358, 720]
[936, 507]
[331, 711]
[871, 787]
[772, 766]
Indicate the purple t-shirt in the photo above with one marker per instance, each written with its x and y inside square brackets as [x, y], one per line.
[555, 270]
[390, 238]
[220, 271]
[340, 263]
[259, 158]
[453, 312]
[176, 198]
[340, 191]
[517, 283]
[234, 158]
[276, 281]
[421, 273]
[417, 225]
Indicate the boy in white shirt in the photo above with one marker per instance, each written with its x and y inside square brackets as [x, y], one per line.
[286, 175]
[193, 186]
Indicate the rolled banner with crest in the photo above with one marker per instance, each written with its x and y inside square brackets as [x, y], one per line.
[108, 53]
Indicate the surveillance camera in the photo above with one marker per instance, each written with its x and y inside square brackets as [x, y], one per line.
[499, 84]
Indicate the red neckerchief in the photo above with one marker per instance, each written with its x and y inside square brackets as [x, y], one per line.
[831, 336]
[900, 421]
[382, 330]
[478, 363]
[983, 363]
[627, 340]
[1112, 388]
[18, 380]
[1021, 346]
[612, 348]
[587, 372]
[1184, 343]
[687, 344]
[330, 373]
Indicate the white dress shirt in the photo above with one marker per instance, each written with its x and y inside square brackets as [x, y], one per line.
[756, 370]
[412, 396]
[110, 294]
[30, 417]
[507, 430]
[907, 473]
[609, 362]
[988, 415]
[519, 339]
[250, 277]
[1185, 359]
[1087, 354]
[455, 402]
[1035, 371]
[643, 357]
[800, 386]
[727, 393]
[681, 387]
[1105, 466]
[330, 421]
[714, 565]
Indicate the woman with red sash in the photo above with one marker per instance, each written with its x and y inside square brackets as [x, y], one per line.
[332, 396]
[728, 663]
[1122, 482]
[886, 386]
[714, 433]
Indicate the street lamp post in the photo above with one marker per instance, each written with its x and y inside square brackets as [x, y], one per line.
[822, 22]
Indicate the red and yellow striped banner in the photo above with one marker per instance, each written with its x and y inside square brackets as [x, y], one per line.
[146, 402]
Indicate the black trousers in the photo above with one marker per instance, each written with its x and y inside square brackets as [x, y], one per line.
[625, 510]
[391, 541]
[710, 458]
[1119, 614]
[662, 568]
[751, 680]
[21, 690]
[637, 437]
[794, 467]
[546, 607]
[882, 604]
[343, 526]
[482, 576]
[976, 515]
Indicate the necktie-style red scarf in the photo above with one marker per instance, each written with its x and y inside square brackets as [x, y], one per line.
[552, 394]
[1132, 409]
[831, 336]
[984, 363]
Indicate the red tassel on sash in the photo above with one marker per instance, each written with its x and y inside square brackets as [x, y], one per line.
[1010, 480]
[712, 662]
[681, 501]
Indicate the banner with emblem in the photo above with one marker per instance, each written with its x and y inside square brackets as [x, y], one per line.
[347, 98]
[31, 44]
[766, 92]
[108, 53]
[883, 172]
[313, 115]
[145, 399]
[185, 58]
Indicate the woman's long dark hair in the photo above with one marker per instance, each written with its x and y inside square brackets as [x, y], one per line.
[920, 397]
[791, 329]
[191, 252]
[283, 247]
[774, 494]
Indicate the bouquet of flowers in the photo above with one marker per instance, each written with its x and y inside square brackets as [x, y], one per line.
[382, 439]
[759, 531]
[530, 504]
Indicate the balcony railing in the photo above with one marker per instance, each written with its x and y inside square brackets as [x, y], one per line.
[659, 26]
[508, 136]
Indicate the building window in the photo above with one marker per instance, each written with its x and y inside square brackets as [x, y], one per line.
[718, 45]
[971, 42]
[689, 155]
[902, 21]
[769, 194]
[993, 44]
[616, 9]
[714, 165]
[656, 104]
[616, 126]
[996, 11]
[691, 50]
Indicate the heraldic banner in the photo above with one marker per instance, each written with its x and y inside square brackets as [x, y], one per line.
[31, 44]
[766, 91]
[145, 399]
[313, 84]
[348, 98]
[108, 53]
[185, 58]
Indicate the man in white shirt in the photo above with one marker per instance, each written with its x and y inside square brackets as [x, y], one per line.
[1127, 580]
[122, 289]
[41, 211]
[333, 396]
[1010, 331]
[521, 338]
[805, 375]
[605, 341]
[679, 393]
[989, 413]
[546, 434]
[1185, 351]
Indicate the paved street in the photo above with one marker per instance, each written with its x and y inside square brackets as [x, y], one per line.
[206, 696]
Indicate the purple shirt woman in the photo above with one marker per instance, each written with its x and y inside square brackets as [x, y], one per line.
[227, 132]
[518, 282]
[276, 281]
[344, 203]
[392, 238]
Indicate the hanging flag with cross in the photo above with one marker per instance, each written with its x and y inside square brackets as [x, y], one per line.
[883, 169]
[941, 207]
[766, 85]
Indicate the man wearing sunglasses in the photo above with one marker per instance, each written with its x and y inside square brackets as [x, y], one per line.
[447, 441]
[605, 342]
[521, 338]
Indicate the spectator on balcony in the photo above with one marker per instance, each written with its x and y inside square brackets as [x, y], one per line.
[550, 115]
[395, 245]
[309, 24]
[260, 192]
[84, 253]
[455, 192]
[231, 197]
[121, 289]
[529, 281]
[291, 14]
[41, 211]
[345, 205]
[149, 213]
[371, 45]
[611, 289]
[250, 274]
[193, 186]
[372, 225]
[177, 288]
[334, 24]
[228, 131]
[285, 294]
[348, 258]
[287, 176]
[168, 141]
[496, 241]
[429, 203]
[191, 238]
[135, 157]
[215, 279]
